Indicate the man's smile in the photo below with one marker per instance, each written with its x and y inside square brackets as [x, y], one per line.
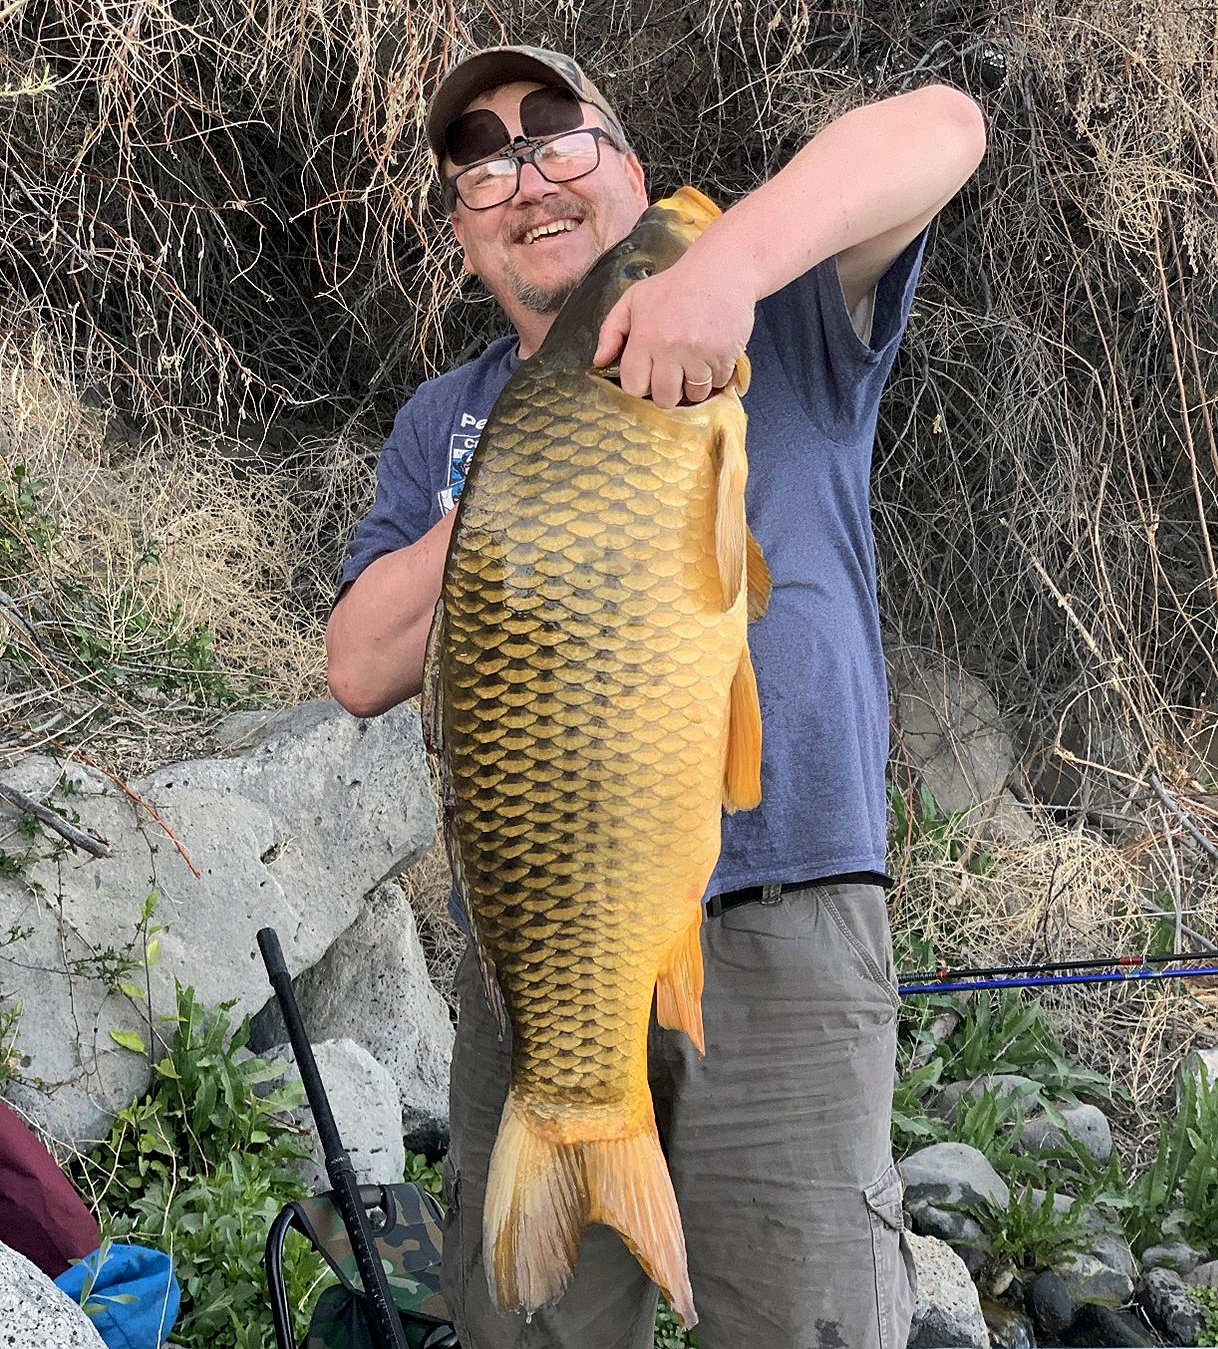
[562, 226]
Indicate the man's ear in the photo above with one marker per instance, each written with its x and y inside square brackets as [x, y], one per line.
[636, 178]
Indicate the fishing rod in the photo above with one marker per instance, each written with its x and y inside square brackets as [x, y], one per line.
[1121, 969]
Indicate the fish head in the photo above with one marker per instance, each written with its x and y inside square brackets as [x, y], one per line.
[663, 233]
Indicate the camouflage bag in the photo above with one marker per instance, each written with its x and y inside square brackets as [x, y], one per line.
[406, 1223]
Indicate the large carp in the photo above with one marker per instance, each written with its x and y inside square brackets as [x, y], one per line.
[593, 706]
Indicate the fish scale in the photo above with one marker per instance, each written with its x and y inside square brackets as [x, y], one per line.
[589, 676]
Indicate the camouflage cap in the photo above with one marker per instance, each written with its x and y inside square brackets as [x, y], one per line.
[504, 65]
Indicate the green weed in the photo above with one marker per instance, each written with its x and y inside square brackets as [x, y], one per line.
[1207, 1300]
[1176, 1197]
[199, 1167]
[669, 1333]
[1029, 1231]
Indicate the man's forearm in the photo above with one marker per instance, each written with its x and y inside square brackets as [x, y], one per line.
[889, 166]
[377, 633]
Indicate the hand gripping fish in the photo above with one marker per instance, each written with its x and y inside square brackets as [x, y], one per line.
[592, 703]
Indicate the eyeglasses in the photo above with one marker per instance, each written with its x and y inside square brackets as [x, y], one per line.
[559, 159]
[554, 142]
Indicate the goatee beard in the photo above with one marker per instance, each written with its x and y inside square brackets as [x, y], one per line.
[541, 299]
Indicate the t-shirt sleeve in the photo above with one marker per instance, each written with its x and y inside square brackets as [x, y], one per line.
[401, 509]
[816, 339]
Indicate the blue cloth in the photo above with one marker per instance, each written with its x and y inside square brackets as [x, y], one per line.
[812, 409]
[128, 1271]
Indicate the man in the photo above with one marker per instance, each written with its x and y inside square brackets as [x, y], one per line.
[778, 1140]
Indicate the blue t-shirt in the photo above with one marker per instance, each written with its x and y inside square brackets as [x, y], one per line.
[812, 408]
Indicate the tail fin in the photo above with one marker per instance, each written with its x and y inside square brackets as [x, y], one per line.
[541, 1194]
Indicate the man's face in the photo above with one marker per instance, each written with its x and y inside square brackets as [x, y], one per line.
[525, 268]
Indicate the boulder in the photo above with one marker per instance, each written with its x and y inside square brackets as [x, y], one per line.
[1204, 1276]
[953, 734]
[1177, 1255]
[308, 810]
[364, 1101]
[372, 987]
[1092, 1279]
[1052, 1305]
[939, 1180]
[35, 1314]
[947, 1312]
[1170, 1307]
[1004, 1086]
[1085, 1124]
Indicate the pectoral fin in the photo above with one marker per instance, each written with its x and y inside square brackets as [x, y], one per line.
[742, 769]
[758, 578]
[730, 529]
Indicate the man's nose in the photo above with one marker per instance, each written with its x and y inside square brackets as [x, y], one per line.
[533, 187]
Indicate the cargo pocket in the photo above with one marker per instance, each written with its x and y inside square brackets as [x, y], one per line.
[893, 1260]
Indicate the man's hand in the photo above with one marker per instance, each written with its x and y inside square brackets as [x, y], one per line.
[679, 332]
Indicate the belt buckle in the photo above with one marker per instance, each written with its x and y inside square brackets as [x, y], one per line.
[771, 892]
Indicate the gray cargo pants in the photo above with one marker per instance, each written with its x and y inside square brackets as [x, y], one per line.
[778, 1144]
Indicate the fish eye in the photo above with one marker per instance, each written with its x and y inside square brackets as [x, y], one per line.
[637, 271]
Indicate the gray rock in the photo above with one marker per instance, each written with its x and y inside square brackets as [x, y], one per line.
[372, 987]
[1052, 1305]
[1177, 1255]
[1099, 1326]
[952, 1173]
[1202, 1058]
[955, 738]
[35, 1314]
[1086, 1124]
[948, 1311]
[1001, 1085]
[311, 811]
[1111, 1249]
[938, 1180]
[1204, 1276]
[364, 1100]
[1170, 1307]
[1090, 1279]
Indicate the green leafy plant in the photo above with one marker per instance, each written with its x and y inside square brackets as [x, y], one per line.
[916, 822]
[1029, 1230]
[199, 1167]
[1176, 1197]
[94, 1306]
[1009, 1035]
[426, 1174]
[912, 1126]
[1207, 1300]
[669, 1333]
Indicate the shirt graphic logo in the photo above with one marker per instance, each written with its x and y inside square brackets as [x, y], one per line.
[461, 445]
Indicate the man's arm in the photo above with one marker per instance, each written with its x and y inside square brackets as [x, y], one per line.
[862, 188]
[377, 632]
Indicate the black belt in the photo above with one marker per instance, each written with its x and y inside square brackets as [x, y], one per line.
[767, 894]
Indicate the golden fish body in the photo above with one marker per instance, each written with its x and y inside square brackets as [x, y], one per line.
[596, 708]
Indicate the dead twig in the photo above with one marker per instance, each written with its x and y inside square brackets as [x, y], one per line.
[76, 837]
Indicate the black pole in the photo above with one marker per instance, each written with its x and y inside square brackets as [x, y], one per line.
[945, 972]
[387, 1324]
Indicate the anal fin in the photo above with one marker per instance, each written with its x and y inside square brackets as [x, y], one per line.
[679, 985]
